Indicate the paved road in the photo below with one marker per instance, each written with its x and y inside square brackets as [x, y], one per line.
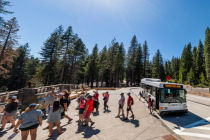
[195, 125]
[107, 127]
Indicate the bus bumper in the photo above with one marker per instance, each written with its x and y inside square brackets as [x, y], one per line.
[173, 112]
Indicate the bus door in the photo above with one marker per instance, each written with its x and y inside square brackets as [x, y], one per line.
[157, 98]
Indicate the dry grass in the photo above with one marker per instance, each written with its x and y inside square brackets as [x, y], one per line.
[203, 94]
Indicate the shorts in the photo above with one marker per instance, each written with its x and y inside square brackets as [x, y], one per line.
[120, 106]
[11, 114]
[87, 114]
[95, 104]
[81, 110]
[30, 127]
[129, 108]
[62, 114]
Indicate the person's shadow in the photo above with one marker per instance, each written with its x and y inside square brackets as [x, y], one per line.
[133, 121]
[89, 132]
[56, 134]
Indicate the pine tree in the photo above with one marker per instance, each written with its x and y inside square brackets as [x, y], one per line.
[157, 66]
[200, 62]
[92, 67]
[138, 65]
[18, 71]
[175, 63]
[3, 4]
[207, 54]
[50, 53]
[131, 60]
[193, 71]
[185, 63]
[146, 67]
[8, 36]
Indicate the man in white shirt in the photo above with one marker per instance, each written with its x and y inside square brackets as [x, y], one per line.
[121, 105]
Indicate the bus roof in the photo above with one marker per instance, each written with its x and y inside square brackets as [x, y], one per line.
[156, 82]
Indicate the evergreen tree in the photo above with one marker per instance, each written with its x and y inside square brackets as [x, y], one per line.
[131, 60]
[138, 65]
[3, 10]
[193, 79]
[18, 73]
[157, 66]
[185, 63]
[175, 63]
[50, 53]
[92, 67]
[200, 62]
[146, 67]
[207, 54]
[8, 36]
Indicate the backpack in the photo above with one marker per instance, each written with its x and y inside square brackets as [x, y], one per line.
[132, 101]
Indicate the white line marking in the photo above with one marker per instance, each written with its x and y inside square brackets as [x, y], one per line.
[193, 134]
[202, 128]
[196, 126]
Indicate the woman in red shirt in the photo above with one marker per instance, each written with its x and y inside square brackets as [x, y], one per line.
[88, 110]
[96, 101]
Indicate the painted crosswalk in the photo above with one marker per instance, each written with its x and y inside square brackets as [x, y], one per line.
[202, 125]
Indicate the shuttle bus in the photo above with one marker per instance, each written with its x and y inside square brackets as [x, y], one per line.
[166, 97]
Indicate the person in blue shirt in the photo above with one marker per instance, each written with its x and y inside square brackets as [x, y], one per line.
[29, 122]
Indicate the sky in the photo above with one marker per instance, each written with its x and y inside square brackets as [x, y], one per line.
[166, 25]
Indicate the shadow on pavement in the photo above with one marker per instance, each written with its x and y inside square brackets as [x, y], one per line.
[134, 122]
[107, 111]
[183, 120]
[56, 134]
[89, 132]
[2, 133]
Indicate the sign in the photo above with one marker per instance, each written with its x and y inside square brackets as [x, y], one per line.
[172, 86]
[168, 77]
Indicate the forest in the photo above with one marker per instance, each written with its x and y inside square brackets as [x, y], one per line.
[66, 59]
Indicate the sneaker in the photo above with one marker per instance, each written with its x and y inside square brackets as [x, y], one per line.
[132, 116]
[126, 118]
[117, 116]
[70, 120]
[92, 123]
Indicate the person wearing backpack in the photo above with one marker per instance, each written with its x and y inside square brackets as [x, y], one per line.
[130, 102]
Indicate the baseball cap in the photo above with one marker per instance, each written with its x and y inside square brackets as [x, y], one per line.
[13, 97]
[33, 105]
[129, 93]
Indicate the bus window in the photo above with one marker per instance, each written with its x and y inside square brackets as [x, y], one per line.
[172, 95]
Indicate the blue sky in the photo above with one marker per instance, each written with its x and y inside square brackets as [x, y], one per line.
[166, 24]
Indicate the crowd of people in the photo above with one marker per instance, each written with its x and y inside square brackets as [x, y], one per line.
[56, 104]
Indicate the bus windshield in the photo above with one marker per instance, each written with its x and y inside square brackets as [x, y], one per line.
[170, 95]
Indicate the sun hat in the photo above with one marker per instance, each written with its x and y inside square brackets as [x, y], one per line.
[33, 105]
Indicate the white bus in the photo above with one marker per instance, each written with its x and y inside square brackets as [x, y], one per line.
[166, 97]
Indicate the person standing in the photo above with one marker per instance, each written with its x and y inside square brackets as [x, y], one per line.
[121, 105]
[54, 117]
[130, 102]
[106, 99]
[88, 111]
[50, 98]
[149, 100]
[140, 95]
[67, 96]
[63, 103]
[10, 112]
[29, 122]
[82, 105]
[96, 101]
